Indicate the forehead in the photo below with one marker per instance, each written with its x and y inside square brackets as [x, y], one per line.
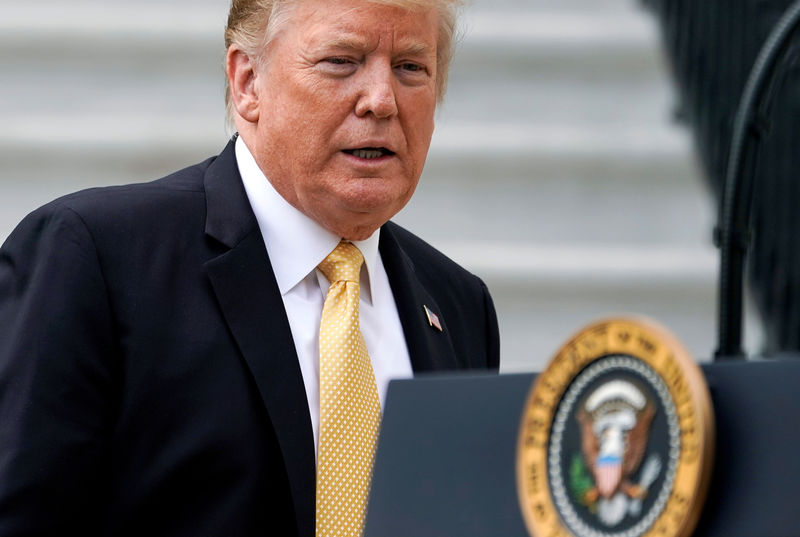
[363, 24]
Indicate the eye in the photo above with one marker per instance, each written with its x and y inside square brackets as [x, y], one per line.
[338, 66]
[337, 61]
[411, 67]
[413, 73]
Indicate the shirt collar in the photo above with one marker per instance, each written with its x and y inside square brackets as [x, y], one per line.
[296, 244]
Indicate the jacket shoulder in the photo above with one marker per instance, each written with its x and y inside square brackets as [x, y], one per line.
[186, 181]
[134, 205]
[426, 258]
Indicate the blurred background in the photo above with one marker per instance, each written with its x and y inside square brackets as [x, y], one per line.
[558, 172]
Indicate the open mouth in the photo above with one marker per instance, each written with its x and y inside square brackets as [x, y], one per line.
[369, 153]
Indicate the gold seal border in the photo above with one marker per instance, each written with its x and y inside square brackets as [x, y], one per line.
[650, 342]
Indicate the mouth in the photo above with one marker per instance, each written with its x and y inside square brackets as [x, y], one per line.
[369, 153]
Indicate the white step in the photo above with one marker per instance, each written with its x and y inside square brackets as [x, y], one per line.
[545, 293]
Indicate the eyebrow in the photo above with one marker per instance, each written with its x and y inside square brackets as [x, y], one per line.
[355, 43]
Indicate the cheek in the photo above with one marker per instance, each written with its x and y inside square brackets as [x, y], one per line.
[312, 124]
[419, 121]
[302, 133]
[420, 134]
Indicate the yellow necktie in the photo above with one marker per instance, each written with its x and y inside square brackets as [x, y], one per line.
[349, 407]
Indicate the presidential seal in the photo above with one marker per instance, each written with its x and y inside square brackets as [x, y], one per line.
[616, 437]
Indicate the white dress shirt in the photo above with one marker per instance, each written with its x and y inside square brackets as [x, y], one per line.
[296, 244]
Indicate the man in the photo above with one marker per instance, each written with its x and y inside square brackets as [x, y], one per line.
[159, 355]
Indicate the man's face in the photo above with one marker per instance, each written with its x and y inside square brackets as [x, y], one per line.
[347, 94]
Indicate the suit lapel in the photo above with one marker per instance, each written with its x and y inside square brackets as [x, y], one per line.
[245, 286]
[429, 347]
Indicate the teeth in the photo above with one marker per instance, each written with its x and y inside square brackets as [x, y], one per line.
[368, 153]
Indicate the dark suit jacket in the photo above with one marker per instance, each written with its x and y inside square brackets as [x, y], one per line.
[149, 384]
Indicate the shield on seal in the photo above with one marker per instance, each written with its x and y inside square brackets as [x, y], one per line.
[607, 474]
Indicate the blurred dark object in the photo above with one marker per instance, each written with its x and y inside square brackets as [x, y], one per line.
[711, 48]
[732, 233]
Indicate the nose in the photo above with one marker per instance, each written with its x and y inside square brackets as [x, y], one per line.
[377, 92]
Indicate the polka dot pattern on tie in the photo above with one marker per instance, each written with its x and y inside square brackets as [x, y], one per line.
[349, 404]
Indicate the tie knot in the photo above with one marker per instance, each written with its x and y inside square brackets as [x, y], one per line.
[343, 263]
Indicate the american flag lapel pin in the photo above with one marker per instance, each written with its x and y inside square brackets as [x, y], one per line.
[433, 319]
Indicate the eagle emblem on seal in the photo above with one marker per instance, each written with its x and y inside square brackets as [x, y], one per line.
[615, 422]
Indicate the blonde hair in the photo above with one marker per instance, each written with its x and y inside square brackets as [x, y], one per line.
[252, 24]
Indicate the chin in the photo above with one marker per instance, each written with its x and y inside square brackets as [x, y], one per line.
[353, 229]
[356, 213]
[382, 202]
[357, 226]
[357, 235]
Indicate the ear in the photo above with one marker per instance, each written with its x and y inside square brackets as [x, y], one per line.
[241, 72]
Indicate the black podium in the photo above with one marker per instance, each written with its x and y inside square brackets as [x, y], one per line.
[446, 457]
